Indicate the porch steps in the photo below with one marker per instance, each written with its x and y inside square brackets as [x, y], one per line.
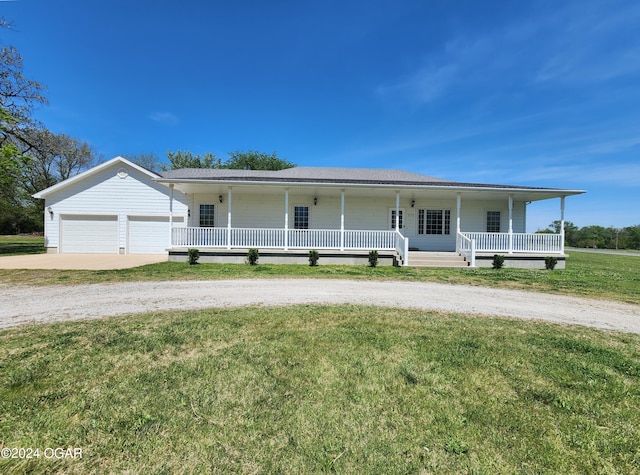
[436, 259]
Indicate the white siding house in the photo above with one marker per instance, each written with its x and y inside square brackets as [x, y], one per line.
[115, 207]
[119, 207]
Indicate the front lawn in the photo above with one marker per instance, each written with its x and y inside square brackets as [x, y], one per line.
[16, 245]
[315, 389]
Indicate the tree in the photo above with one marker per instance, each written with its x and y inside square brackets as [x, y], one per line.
[12, 167]
[150, 160]
[570, 231]
[53, 158]
[182, 159]
[254, 160]
[238, 160]
[18, 98]
[31, 157]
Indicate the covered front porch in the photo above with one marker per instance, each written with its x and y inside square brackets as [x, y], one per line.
[427, 220]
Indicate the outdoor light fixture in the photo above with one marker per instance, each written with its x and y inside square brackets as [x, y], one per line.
[220, 198]
[189, 213]
[413, 203]
[50, 210]
[315, 200]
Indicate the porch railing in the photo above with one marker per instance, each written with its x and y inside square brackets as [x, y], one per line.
[467, 244]
[466, 247]
[265, 238]
[516, 242]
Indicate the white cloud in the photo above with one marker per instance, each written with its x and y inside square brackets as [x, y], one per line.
[166, 118]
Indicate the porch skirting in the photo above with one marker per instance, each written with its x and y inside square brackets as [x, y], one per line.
[279, 256]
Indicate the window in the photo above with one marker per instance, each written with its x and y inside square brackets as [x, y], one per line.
[493, 221]
[434, 221]
[301, 217]
[393, 219]
[207, 213]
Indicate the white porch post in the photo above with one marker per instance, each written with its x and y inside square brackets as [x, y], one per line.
[459, 205]
[342, 220]
[510, 223]
[286, 219]
[562, 224]
[229, 218]
[397, 211]
[171, 214]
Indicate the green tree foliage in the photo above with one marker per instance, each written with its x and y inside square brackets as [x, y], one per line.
[18, 98]
[598, 237]
[12, 197]
[254, 160]
[31, 157]
[182, 159]
[238, 160]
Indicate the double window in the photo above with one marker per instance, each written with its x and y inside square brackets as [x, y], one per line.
[434, 221]
[393, 219]
[207, 215]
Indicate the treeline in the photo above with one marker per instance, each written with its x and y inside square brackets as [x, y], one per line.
[598, 237]
[31, 156]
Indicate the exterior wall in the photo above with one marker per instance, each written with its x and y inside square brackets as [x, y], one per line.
[474, 215]
[105, 193]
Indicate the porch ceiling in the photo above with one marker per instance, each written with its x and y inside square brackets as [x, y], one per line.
[406, 192]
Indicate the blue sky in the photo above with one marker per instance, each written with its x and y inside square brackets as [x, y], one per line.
[541, 93]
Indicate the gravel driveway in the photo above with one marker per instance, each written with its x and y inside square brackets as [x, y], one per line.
[21, 304]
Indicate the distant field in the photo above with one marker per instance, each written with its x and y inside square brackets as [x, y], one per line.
[15, 245]
[321, 389]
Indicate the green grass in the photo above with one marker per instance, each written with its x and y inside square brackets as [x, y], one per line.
[603, 276]
[16, 245]
[314, 389]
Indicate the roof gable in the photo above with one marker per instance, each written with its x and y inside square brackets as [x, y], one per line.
[92, 171]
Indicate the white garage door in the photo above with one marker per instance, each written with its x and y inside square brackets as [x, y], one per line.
[89, 234]
[149, 234]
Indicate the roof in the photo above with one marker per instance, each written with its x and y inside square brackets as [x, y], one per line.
[92, 171]
[305, 174]
[326, 175]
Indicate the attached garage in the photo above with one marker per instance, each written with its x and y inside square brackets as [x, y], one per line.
[89, 234]
[149, 234]
[115, 207]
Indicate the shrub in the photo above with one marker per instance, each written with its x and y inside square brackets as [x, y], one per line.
[194, 255]
[373, 258]
[252, 257]
[313, 257]
[550, 262]
[498, 261]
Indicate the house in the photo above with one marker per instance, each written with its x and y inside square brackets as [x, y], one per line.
[120, 207]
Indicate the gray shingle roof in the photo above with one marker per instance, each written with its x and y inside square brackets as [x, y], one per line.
[307, 174]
